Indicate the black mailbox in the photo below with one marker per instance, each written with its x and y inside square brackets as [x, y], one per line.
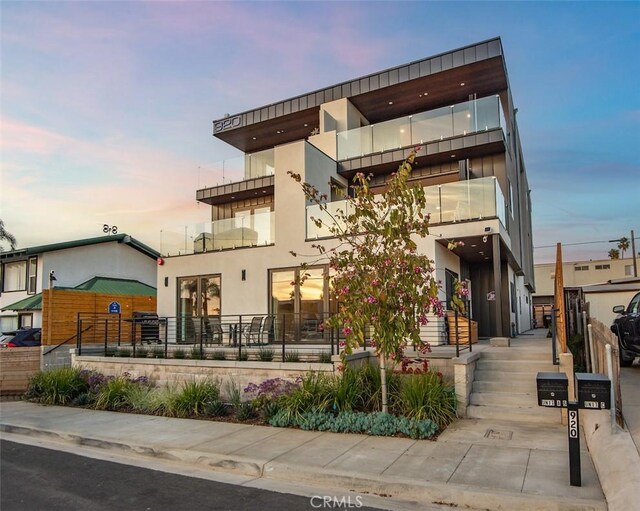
[553, 389]
[594, 391]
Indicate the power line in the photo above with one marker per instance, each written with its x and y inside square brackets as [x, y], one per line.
[580, 243]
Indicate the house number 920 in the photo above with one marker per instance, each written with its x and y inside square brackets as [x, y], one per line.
[573, 424]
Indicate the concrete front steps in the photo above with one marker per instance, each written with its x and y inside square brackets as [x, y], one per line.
[504, 386]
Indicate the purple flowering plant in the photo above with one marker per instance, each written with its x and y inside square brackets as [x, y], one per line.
[270, 390]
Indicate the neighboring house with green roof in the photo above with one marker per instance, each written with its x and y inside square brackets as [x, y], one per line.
[116, 264]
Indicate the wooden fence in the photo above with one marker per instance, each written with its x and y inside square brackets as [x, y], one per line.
[601, 335]
[60, 311]
[17, 365]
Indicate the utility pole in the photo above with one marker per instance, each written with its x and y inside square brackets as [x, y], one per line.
[633, 251]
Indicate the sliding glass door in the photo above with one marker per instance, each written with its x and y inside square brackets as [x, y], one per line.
[300, 308]
[198, 296]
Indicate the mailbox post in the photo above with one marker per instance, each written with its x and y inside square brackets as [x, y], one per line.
[594, 393]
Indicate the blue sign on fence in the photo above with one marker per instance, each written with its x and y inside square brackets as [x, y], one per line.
[114, 308]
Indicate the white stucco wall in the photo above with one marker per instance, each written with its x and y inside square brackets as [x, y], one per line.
[73, 266]
[76, 265]
[252, 295]
[601, 304]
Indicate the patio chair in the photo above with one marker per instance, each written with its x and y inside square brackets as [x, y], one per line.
[267, 333]
[213, 329]
[252, 331]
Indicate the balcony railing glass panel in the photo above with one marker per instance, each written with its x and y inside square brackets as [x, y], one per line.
[241, 168]
[242, 231]
[473, 199]
[454, 120]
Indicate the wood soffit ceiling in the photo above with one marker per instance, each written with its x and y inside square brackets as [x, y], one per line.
[481, 78]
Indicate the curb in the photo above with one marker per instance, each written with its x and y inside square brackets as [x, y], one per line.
[454, 495]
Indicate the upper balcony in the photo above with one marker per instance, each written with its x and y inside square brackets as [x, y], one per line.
[462, 201]
[238, 178]
[445, 130]
[230, 233]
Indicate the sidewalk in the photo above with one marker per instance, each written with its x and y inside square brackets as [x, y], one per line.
[630, 389]
[476, 463]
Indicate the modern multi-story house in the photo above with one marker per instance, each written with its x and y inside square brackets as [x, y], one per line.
[457, 106]
[26, 272]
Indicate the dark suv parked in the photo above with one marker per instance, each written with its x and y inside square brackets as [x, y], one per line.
[627, 328]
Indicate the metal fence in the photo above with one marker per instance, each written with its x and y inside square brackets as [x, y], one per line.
[106, 333]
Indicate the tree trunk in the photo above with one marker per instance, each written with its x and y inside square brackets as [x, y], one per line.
[383, 383]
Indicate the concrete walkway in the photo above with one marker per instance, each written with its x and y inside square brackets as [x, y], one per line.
[478, 464]
[630, 390]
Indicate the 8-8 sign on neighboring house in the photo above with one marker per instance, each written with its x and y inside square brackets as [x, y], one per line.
[114, 308]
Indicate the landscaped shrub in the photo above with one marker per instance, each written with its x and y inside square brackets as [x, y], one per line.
[347, 391]
[266, 354]
[157, 352]
[113, 393]
[378, 423]
[369, 381]
[142, 352]
[292, 356]
[324, 357]
[179, 353]
[269, 410]
[243, 356]
[123, 352]
[218, 355]
[215, 409]
[57, 387]
[245, 411]
[159, 401]
[232, 388]
[427, 396]
[315, 393]
[270, 391]
[194, 397]
[196, 354]
[110, 351]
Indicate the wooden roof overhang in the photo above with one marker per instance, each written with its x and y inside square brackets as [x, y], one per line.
[419, 86]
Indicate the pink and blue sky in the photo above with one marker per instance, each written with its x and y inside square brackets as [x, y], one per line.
[106, 107]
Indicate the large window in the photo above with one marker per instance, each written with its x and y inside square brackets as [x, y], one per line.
[300, 309]
[14, 276]
[8, 323]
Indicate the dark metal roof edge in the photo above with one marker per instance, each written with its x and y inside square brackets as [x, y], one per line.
[98, 278]
[120, 238]
[322, 89]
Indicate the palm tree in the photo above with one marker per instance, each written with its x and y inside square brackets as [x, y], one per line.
[623, 244]
[6, 236]
[614, 253]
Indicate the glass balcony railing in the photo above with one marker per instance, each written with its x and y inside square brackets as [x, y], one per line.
[232, 170]
[461, 119]
[242, 231]
[473, 199]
